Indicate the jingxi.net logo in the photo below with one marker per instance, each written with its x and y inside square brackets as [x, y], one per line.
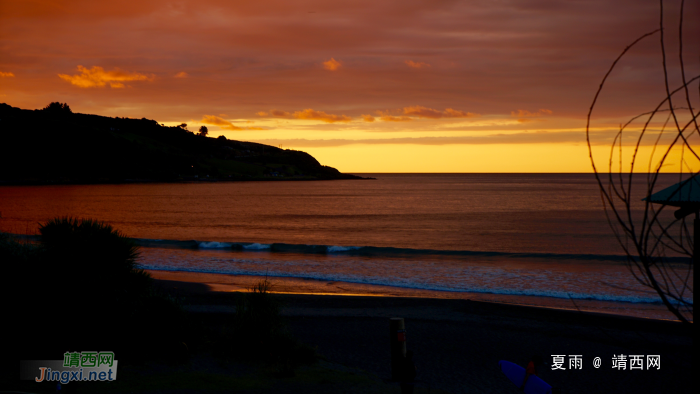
[76, 366]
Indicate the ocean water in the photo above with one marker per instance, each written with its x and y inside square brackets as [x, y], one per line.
[536, 239]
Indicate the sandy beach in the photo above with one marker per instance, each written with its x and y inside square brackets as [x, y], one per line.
[458, 342]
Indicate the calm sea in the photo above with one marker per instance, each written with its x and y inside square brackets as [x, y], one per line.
[538, 239]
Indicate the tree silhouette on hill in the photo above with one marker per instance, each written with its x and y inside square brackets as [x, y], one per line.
[58, 108]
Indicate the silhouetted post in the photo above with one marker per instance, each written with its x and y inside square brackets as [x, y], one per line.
[696, 238]
[397, 341]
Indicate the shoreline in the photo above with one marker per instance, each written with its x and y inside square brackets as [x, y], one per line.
[225, 283]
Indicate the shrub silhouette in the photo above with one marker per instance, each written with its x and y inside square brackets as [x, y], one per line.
[83, 284]
[258, 312]
[258, 333]
[87, 251]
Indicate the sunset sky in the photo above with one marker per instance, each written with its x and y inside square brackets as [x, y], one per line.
[364, 86]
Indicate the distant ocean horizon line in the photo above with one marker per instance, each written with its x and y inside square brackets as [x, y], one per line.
[505, 173]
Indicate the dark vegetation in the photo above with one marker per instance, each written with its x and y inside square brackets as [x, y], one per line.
[258, 333]
[55, 145]
[79, 288]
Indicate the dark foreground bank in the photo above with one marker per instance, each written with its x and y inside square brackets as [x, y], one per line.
[458, 343]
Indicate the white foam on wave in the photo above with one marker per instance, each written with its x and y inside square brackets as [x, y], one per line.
[410, 284]
[214, 245]
[425, 276]
[256, 246]
[338, 249]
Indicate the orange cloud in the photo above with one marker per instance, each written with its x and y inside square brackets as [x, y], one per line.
[424, 112]
[181, 74]
[6, 74]
[368, 118]
[542, 137]
[413, 64]
[274, 112]
[98, 77]
[217, 121]
[387, 117]
[320, 115]
[453, 113]
[526, 116]
[331, 64]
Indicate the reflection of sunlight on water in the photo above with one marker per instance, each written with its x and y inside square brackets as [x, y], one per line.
[487, 216]
[548, 213]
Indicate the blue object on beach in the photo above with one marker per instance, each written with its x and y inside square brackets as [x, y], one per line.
[516, 374]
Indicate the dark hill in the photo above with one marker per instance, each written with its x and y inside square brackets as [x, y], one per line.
[54, 145]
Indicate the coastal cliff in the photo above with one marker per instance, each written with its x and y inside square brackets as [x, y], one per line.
[54, 145]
